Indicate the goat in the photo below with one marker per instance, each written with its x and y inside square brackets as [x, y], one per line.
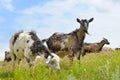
[71, 42]
[7, 56]
[117, 48]
[94, 47]
[28, 45]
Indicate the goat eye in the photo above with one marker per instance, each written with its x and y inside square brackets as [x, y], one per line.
[27, 41]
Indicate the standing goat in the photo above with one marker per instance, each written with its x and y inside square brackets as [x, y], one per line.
[94, 47]
[71, 42]
[28, 45]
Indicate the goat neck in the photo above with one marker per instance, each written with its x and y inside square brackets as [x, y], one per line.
[81, 34]
[101, 44]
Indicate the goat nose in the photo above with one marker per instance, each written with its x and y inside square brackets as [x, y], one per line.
[58, 68]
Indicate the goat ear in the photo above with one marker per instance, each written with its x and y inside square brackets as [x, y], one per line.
[90, 20]
[78, 20]
[6, 52]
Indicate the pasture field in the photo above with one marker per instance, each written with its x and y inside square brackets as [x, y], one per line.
[99, 66]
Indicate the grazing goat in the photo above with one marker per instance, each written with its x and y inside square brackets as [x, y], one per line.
[117, 48]
[7, 56]
[94, 47]
[28, 45]
[71, 42]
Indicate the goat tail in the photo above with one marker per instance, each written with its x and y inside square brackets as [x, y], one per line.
[44, 40]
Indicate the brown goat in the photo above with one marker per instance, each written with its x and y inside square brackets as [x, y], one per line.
[94, 47]
[8, 56]
[117, 48]
[71, 42]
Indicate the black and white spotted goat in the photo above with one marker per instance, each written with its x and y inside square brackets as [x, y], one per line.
[28, 45]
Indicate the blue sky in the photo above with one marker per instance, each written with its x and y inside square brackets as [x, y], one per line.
[49, 16]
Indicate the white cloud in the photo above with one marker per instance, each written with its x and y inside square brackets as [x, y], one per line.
[4, 47]
[6, 4]
[53, 7]
[2, 55]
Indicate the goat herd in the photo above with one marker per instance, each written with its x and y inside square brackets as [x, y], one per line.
[28, 44]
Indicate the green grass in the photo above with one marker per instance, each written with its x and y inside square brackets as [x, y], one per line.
[99, 66]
